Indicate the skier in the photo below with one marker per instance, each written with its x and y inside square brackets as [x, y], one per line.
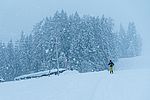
[111, 64]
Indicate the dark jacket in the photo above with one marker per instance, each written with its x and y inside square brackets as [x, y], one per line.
[111, 64]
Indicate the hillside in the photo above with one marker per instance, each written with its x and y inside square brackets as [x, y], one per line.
[133, 84]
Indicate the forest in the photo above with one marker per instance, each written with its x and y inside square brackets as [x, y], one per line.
[83, 43]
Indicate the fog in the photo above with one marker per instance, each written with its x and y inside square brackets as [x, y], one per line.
[18, 15]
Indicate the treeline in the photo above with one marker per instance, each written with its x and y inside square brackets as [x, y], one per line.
[68, 41]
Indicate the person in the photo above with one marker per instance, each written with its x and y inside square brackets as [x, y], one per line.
[111, 64]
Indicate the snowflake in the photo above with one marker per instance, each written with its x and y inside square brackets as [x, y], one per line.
[47, 50]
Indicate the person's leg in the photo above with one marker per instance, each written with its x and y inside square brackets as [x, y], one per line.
[110, 70]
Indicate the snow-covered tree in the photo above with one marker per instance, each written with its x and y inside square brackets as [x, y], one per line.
[123, 42]
[2, 60]
[134, 48]
[10, 56]
[130, 41]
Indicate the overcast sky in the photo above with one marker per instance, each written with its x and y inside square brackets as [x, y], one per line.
[18, 15]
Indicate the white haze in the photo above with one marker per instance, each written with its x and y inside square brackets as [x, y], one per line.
[18, 15]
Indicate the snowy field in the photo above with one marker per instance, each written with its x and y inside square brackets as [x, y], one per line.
[131, 81]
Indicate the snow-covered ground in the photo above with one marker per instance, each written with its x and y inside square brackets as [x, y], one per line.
[133, 83]
[141, 62]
